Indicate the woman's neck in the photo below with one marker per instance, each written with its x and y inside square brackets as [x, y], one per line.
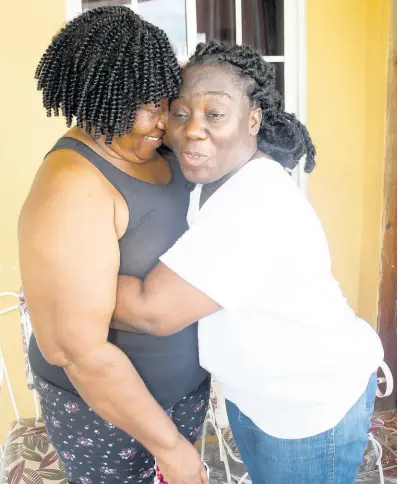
[210, 188]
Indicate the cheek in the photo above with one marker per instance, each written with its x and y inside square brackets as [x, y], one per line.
[141, 128]
[231, 138]
[174, 131]
[231, 141]
[143, 124]
[230, 133]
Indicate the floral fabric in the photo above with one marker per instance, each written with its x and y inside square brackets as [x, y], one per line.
[94, 451]
[29, 456]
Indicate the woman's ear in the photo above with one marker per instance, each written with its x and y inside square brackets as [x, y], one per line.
[255, 121]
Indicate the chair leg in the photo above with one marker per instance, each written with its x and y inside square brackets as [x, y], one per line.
[224, 458]
[379, 454]
[243, 478]
[204, 433]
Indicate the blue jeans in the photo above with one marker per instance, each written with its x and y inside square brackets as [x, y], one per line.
[332, 457]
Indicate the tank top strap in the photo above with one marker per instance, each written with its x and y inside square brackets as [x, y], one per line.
[120, 180]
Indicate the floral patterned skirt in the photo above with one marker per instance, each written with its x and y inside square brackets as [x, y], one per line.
[94, 451]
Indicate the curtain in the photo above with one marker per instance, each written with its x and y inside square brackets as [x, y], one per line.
[262, 25]
[216, 20]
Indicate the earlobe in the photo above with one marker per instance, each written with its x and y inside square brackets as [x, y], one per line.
[255, 122]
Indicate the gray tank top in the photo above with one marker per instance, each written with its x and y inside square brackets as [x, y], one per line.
[168, 365]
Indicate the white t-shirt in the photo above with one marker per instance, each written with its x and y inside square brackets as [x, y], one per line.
[287, 349]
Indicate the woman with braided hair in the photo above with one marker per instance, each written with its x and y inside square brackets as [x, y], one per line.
[296, 366]
[109, 199]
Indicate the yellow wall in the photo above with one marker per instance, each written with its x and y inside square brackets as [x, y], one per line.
[25, 31]
[347, 67]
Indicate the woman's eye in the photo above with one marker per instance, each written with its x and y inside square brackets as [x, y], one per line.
[180, 115]
[215, 116]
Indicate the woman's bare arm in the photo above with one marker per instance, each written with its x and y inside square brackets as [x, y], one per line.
[161, 305]
[69, 260]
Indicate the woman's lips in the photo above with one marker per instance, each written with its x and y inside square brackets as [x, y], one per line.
[153, 140]
[193, 158]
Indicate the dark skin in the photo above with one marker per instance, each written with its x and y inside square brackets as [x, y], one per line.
[71, 286]
[213, 132]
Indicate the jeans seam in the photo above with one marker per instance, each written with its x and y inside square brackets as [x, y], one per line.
[332, 454]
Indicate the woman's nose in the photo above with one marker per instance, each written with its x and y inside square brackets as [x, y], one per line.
[162, 123]
[194, 130]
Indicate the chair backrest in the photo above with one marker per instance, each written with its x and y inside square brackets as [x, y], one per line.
[26, 330]
[387, 379]
[220, 409]
[3, 367]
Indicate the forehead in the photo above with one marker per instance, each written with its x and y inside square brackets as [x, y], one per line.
[201, 79]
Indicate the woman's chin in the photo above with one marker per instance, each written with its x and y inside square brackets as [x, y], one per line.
[199, 175]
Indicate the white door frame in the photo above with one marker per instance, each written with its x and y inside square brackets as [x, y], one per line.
[295, 75]
[294, 58]
[72, 9]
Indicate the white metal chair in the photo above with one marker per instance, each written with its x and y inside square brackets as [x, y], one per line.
[217, 417]
[27, 455]
[376, 424]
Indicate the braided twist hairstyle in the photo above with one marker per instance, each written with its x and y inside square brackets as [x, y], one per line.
[281, 134]
[103, 66]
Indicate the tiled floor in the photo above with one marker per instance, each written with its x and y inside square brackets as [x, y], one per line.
[387, 436]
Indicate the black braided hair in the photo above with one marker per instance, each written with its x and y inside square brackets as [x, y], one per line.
[281, 134]
[102, 66]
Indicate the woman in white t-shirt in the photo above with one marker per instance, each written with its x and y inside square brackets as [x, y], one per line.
[296, 365]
